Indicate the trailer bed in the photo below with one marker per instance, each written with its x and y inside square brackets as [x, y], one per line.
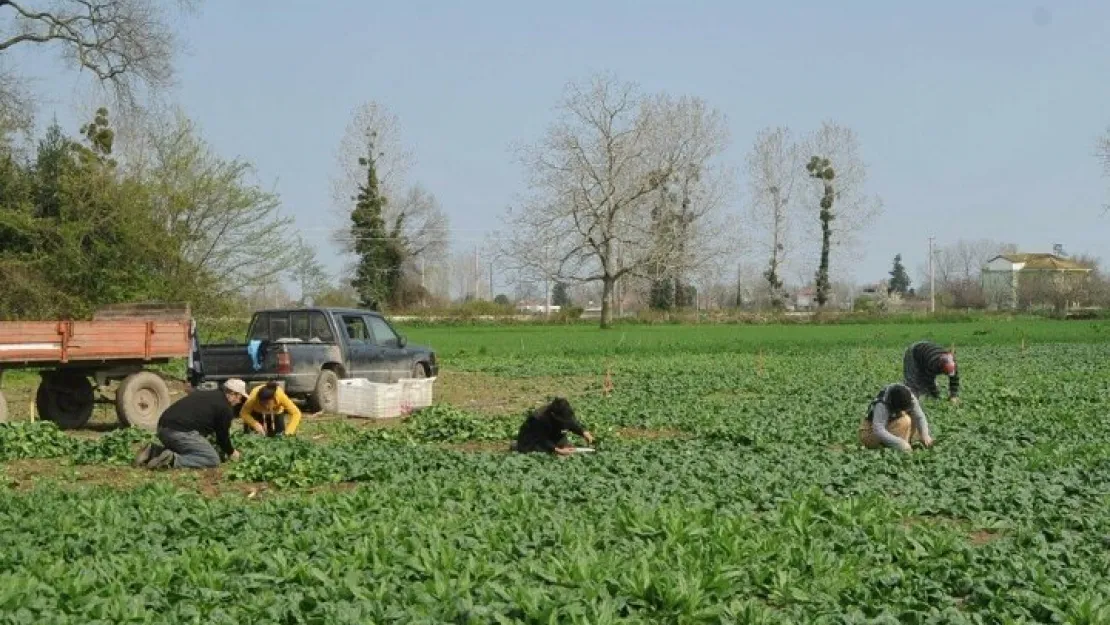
[31, 343]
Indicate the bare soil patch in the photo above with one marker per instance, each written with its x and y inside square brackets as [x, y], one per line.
[25, 475]
[983, 537]
[499, 395]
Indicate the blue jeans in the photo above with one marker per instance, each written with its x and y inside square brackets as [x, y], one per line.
[190, 449]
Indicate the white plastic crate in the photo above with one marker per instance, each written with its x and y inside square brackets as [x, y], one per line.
[360, 397]
[416, 393]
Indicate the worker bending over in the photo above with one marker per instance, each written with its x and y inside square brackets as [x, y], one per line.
[923, 362]
[184, 426]
[545, 430]
[892, 418]
[265, 411]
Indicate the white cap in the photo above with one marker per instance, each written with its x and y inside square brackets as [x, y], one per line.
[235, 385]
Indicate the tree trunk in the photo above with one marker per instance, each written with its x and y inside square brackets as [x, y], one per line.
[606, 298]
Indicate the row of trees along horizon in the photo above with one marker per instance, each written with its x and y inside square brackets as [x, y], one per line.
[630, 201]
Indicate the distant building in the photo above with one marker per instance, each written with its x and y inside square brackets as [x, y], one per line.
[535, 308]
[1016, 280]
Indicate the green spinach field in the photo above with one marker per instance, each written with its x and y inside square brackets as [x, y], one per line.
[728, 487]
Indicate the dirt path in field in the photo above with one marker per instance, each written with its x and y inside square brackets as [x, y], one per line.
[25, 475]
[501, 395]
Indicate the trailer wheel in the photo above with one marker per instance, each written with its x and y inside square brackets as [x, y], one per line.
[3, 408]
[140, 400]
[325, 398]
[65, 398]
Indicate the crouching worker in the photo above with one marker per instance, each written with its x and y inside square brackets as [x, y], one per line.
[545, 430]
[184, 426]
[923, 362]
[265, 411]
[892, 418]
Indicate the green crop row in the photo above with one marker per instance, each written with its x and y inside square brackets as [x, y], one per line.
[756, 506]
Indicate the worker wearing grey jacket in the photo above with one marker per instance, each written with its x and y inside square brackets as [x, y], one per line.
[894, 408]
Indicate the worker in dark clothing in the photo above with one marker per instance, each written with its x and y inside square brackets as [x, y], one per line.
[545, 430]
[184, 426]
[923, 362]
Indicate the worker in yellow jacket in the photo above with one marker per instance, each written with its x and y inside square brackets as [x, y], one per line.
[265, 411]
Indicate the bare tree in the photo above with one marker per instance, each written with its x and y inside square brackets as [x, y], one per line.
[372, 126]
[308, 274]
[595, 179]
[1102, 151]
[465, 275]
[774, 167]
[957, 268]
[127, 45]
[854, 210]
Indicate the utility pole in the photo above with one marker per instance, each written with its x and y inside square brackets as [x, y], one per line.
[423, 289]
[491, 280]
[932, 281]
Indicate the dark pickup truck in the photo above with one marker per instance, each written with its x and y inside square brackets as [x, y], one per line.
[310, 350]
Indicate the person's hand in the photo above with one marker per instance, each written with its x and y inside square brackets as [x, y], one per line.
[260, 429]
[235, 456]
[927, 441]
[564, 451]
[905, 446]
[589, 437]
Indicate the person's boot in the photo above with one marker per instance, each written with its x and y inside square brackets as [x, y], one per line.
[162, 460]
[144, 456]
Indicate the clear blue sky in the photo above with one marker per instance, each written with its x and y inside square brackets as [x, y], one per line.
[978, 119]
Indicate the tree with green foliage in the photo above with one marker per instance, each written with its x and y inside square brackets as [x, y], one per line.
[227, 234]
[379, 257]
[821, 170]
[899, 279]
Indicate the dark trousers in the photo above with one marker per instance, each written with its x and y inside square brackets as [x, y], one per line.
[274, 423]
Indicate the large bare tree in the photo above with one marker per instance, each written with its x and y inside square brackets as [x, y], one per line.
[128, 46]
[775, 164]
[596, 179]
[854, 209]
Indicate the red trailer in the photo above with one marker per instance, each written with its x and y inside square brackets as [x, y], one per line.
[118, 344]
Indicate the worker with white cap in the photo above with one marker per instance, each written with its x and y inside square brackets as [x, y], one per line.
[184, 427]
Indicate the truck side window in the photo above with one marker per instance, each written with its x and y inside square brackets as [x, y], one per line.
[260, 331]
[298, 323]
[320, 328]
[383, 334]
[356, 328]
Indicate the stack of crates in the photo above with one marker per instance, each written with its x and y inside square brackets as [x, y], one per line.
[363, 398]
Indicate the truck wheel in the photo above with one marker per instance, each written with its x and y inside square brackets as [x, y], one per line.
[3, 409]
[326, 396]
[66, 399]
[140, 400]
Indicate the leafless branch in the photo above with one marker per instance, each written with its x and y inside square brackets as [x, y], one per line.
[127, 45]
[621, 185]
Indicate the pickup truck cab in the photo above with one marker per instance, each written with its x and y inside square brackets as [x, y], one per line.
[309, 350]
